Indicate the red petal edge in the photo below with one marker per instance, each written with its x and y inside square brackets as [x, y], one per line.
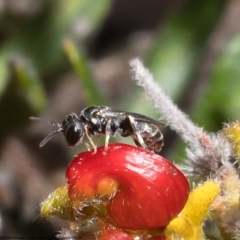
[151, 190]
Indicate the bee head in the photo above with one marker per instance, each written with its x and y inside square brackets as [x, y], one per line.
[71, 127]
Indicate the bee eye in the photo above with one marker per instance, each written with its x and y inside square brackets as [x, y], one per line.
[74, 134]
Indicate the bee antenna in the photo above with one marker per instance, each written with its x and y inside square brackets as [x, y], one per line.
[49, 136]
[36, 119]
[54, 124]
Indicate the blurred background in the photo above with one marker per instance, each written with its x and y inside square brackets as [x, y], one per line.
[58, 57]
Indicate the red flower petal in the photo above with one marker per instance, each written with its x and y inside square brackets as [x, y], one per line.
[114, 234]
[118, 234]
[139, 189]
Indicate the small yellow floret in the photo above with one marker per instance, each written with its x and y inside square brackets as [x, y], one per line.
[57, 204]
[188, 225]
[232, 132]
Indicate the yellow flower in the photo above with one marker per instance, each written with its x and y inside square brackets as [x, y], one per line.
[188, 224]
[232, 132]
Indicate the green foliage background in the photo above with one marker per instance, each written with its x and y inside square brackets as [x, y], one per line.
[45, 41]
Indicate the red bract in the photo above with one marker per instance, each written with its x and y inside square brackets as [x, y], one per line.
[132, 187]
[118, 234]
[114, 234]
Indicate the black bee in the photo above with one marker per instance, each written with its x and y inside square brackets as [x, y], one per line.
[96, 120]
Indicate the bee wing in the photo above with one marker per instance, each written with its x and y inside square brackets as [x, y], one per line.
[143, 118]
[121, 115]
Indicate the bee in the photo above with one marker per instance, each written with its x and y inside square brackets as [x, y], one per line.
[97, 120]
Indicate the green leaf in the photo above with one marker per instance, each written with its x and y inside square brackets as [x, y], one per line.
[30, 86]
[4, 74]
[175, 55]
[221, 102]
[79, 63]
[41, 38]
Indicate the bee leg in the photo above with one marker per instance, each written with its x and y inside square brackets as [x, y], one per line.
[137, 136]
[90, 140]
[108, 134]
[87, 146]
[139, 140]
